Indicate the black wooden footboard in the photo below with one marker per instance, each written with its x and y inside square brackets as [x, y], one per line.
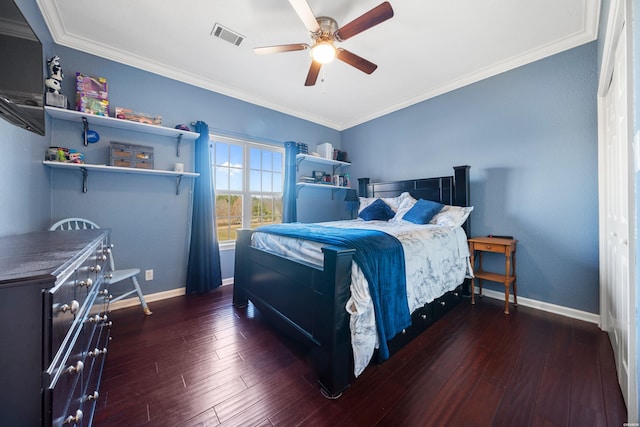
[303, 301]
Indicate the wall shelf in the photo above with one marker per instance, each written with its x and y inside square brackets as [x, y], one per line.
[335, 188]
[76, 116]
[315, 159]
[85, 168]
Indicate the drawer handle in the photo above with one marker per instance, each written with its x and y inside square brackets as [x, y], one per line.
[93, 396]
[85, 283]
[404, 331]
[98, 352]
[74, 306]
[455, 294]
[79, 366]
[423, 316]
[74, 420]
[442, 303]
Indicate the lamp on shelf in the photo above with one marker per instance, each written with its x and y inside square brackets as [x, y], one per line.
[351, 197]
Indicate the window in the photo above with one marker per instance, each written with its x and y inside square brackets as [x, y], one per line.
[248, 180]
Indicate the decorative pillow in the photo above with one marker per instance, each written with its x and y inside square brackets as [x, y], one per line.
[406, 204]
[393, 202]
[422, 211]
[452, 216]
[378, 210]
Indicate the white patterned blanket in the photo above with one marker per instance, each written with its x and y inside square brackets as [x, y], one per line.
[436, 261]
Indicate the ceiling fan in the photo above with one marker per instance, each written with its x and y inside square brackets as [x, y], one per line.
[325, 32]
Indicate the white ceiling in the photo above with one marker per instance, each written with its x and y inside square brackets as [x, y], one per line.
[426, 49]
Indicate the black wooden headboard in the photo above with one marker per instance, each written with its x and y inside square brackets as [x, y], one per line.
[449, 190]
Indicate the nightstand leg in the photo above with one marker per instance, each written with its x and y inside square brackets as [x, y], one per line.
[506, 298]
[473, 291]
[506, 283]
[473, 266]
[515, 288]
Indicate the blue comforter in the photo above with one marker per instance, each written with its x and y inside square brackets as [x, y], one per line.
[381, 259]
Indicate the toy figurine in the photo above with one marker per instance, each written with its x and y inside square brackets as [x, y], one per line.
[54, 82]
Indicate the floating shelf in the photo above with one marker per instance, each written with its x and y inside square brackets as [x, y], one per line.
[335, 188]
[315, 159]
[76, 116]
[85, 168]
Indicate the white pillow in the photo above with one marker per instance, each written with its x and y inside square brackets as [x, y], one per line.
[392, 202]
[405, 205]
[452, 216]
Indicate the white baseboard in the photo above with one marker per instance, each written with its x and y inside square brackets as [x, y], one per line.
[545, 306]
[526, 302]
[158, 296]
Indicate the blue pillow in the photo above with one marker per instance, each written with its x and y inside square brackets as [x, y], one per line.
[377, 210]
[423, 211]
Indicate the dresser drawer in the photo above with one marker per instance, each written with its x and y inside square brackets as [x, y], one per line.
[40, 272]
[66, 380]
[69, 300]
[74, 375]
[488, 247]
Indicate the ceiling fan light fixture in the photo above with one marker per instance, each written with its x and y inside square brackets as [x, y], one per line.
[323, 52]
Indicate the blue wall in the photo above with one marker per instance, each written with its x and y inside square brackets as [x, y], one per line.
[24, 196]
[150, 223]
[530, 137]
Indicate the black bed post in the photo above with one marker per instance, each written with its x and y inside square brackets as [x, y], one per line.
[362, 186]
[243, 243]
[461, 195]
[461, 176]
[462, 198]
[334, 361]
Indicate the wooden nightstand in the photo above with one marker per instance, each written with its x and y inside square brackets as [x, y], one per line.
[497, 245]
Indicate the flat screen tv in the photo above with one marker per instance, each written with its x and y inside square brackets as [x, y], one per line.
[21, 71]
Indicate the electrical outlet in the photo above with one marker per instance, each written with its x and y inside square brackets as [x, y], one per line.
[148, 275]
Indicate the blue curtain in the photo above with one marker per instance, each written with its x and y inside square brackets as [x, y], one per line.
[289, 211]
[203, 270]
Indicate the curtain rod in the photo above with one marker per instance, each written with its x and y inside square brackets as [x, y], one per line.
[229, 134]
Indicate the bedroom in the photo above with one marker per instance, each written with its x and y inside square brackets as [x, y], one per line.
[530, 135]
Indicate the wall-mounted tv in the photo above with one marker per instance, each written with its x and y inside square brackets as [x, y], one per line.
[21, 70]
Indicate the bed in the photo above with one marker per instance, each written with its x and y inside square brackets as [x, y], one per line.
[306, 299]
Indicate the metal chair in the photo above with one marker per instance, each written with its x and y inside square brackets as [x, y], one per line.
[113, 276]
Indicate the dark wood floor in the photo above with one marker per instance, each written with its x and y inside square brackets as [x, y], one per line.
[197, 361]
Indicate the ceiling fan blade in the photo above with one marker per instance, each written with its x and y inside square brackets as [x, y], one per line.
[305, 13]
[356, 61]
[378, 14]
[265, 50]
[312, 76]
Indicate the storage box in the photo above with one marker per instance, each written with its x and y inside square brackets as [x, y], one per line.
[89, 105]
[131, 155]
[325, 150]
[93, 87]
[92, 95]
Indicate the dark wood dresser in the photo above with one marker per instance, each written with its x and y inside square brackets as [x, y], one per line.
[54, 328]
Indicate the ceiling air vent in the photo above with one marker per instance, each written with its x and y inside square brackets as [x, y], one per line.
[226, 34]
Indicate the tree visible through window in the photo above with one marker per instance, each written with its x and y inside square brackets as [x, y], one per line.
[245, 171]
